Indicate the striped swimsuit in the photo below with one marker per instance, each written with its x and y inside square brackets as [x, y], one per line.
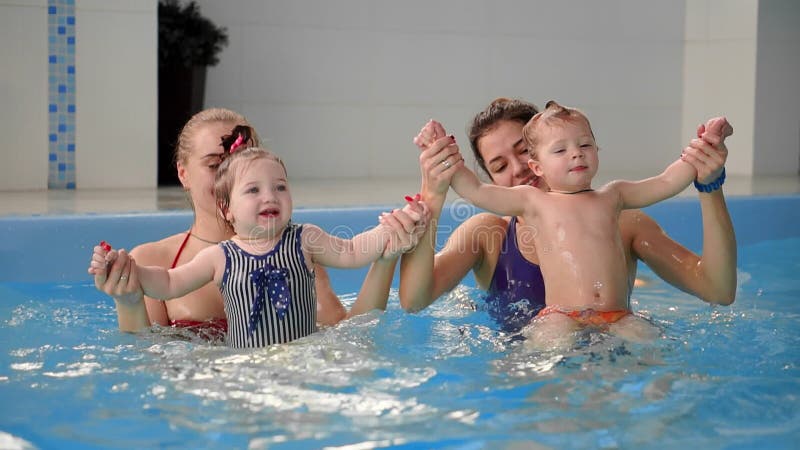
[278, 283]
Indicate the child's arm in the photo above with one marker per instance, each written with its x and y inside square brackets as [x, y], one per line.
[505, 201]
[638, 194]
[359, 251]
[160, 283]
[676, 177]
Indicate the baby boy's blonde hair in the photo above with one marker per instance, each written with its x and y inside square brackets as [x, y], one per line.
[553, 114]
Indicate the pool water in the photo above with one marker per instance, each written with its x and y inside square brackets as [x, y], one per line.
[720, 377]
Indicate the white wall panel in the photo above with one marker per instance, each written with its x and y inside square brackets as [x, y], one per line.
[23, 96]
[116, 86]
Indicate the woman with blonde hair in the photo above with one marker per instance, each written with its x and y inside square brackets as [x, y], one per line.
[200, 149]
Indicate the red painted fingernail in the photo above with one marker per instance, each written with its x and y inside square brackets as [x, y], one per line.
[409, 199]
[417, 197]
[105, 246]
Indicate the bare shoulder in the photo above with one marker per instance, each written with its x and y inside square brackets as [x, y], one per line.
[158, 253]
[612, 188]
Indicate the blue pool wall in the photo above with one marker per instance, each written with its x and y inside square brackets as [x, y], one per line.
[57, 249]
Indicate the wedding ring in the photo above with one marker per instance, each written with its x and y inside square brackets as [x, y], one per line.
[446, 164]
[123, 277]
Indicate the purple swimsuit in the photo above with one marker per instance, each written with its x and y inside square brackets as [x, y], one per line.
[516, 292]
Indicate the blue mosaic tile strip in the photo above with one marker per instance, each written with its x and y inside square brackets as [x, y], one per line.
[61, 93]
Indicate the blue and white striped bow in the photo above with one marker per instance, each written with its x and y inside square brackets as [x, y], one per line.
[270, 283]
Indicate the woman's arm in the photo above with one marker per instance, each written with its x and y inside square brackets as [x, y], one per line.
[132, 314]
[374, 292]
[416, 267]
[330, 310]
[135, 311]
[424, 275]
[712, 276]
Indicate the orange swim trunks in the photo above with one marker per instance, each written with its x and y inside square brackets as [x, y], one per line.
[587, 316]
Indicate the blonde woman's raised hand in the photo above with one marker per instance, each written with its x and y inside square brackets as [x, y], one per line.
[115, 273]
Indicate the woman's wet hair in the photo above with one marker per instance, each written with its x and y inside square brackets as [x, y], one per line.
[500, 110]
[232, 166]
[183, 145]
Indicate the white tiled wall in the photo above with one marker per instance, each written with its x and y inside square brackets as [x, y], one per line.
[116, 87]
[23, 91]
[719, 71]
[743, 60]
[777, 108]
[339, 88]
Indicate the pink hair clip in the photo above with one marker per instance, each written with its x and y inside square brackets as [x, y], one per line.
[237, 143]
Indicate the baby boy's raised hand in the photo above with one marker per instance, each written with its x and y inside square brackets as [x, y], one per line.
[716, 127]
[708, 153]
[430, 133]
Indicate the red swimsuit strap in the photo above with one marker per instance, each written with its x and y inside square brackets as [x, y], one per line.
[180, 249]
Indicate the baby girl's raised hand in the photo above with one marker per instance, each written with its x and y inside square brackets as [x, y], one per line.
[407, 226]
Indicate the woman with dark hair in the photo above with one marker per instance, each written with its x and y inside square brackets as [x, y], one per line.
[507, 266]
